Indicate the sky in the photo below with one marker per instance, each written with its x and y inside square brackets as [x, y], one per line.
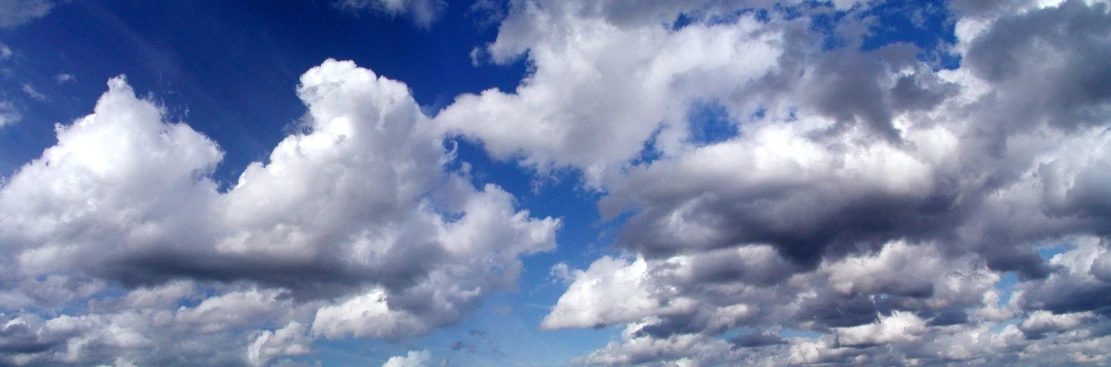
[555, 183]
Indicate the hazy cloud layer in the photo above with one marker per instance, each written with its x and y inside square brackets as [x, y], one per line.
[422, 12]
[14, 13]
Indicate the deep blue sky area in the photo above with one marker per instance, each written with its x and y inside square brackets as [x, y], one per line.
[230, 69]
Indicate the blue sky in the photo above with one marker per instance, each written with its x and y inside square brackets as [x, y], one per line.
[543, 183]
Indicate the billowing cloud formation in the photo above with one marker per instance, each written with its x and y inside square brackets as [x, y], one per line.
[790, 186]
[862, 198]
[423, 12]
[351, 228]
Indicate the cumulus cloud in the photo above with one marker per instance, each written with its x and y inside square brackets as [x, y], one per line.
[860, 193]
[595, 80]
[850, 204]
[415, 358]
[422, 12]
[351, 228]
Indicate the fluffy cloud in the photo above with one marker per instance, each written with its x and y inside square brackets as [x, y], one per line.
[595, 80]
[787, 193]
[415, 358]
[861, 193]
[352, 227]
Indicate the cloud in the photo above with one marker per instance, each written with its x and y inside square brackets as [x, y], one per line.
[350, 228]
[618, 81]
[63, 78]
[423, 12]
[862, 194]
[14, 13]
[288, 341]
[33, 93]
[849, 205]
[415, 358]
[9, 114]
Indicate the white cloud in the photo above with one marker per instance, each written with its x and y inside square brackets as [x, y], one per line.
[415, 358]
[290, 340]
[636, 349]
[899, 327]
[9, 114]
[423, 12]
[32, 92]
[863, 196]
[357, 214]
[63, 78]
[14, 13]
[610, 291]
[594, 81]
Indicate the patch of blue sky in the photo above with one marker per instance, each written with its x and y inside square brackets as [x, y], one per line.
[1048, 251]
[514, 316]
[926, 24]
[998, 328]
[649, 152]
[709, 123]
[559, 195]
[825, 23]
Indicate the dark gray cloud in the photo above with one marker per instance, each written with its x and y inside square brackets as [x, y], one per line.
[19, 339]
[759, 339]
[1064, 91]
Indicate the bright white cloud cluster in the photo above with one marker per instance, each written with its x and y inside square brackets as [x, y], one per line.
[416, 358]
[351, 228]
[596, 80]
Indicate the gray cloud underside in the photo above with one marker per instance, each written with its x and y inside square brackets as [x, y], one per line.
[867, 196]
